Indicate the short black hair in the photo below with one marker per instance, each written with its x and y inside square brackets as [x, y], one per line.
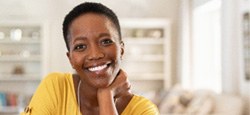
[88, 7]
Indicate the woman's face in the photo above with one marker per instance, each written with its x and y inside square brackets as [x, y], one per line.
[95, 49]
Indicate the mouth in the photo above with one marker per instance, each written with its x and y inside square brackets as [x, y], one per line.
[98, 68]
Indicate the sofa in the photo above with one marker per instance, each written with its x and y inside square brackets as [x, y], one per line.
[178, 101]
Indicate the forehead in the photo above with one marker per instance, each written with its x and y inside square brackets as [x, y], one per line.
[91, 22]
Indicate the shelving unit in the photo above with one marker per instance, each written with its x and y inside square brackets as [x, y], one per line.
[245, 19]
[22, 62]
[245, 52]
[147, 53]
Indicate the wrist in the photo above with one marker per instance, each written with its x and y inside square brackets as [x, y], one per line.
[106, 102]
[104, 93]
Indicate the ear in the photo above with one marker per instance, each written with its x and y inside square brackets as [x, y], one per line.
[122, 49]
[70, 60]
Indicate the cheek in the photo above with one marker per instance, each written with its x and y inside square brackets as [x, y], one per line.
[77, 61]
[114, 52]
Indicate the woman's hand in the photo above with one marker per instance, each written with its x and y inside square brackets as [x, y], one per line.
[120, 87]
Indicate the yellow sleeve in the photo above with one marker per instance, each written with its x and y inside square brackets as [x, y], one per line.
[46, 97]
[140, 106]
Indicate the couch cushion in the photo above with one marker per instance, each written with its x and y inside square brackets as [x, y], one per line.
[228, 105]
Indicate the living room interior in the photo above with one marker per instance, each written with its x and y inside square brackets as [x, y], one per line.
[189, 57]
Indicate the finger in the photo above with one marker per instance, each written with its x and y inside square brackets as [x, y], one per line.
[116, 78]
[123, 75]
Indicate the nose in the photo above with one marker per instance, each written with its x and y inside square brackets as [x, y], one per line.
[95, 53]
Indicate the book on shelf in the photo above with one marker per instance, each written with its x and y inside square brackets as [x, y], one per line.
[3, 99]
[8, 99]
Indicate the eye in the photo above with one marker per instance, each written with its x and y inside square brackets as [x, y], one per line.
[80, 47]
[106, 42]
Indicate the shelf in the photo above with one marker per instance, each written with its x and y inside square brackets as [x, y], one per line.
[23, 77]
[20, 78]
[20, 58]
[20, 42]
[149, 58]
[144, 22]
[9, 110]
[138, 41]
[145, 76]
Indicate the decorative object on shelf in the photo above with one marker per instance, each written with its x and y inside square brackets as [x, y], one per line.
[155, 33]
[18, 70]
[144, 33]
[139, 33]
[16, 34]
[25, 53]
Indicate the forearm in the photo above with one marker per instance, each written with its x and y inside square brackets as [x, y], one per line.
[106, 103]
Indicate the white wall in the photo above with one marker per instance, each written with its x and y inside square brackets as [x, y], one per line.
[230, 46]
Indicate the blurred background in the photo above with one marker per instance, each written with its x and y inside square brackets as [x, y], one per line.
[187, 56]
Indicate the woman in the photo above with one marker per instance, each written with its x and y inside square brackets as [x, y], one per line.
[95, 49]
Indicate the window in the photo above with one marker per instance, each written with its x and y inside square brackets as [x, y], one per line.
[203, 69]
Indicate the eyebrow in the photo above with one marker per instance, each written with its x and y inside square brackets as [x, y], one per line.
[79, 38]
[84, 38]
[104, 34]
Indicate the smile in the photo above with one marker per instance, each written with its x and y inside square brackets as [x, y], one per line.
[97, 68]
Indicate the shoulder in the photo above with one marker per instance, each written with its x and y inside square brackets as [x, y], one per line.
[57, 76]
[56, 80]
[140, 105]
[48, 95]
[140, 100]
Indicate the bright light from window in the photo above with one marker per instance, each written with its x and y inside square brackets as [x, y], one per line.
[206, 47]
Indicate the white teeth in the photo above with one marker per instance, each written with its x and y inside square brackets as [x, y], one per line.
[98, 68]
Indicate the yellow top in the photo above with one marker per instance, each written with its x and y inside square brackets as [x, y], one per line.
[56, 96]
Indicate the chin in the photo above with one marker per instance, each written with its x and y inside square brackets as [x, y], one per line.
[103, 82]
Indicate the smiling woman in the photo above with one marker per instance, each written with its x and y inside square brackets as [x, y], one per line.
[99, 87]
[94, 49]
